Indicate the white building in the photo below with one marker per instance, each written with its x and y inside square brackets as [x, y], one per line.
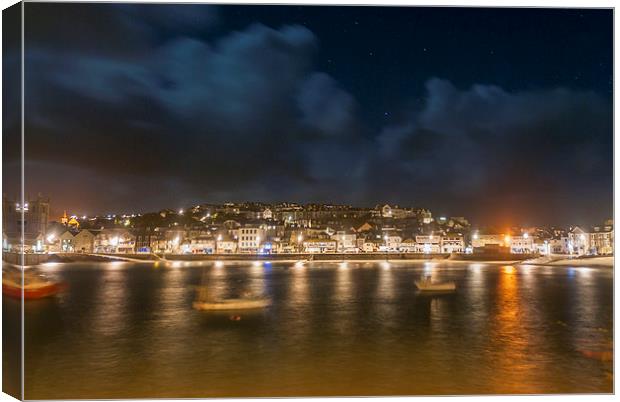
[319, 246]
[114, 241]
[370, 246]
[428, 244]
[249, 239]
[391, 243]
[202, 244]
[602, 240]
[225, 245]
[452, 244]
[347, 242]
[408, 246]
[558, 246]
[62, 243]
[482, 240]
[578, 241]
[523, 244]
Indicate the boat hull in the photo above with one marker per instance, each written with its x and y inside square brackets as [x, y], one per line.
[34, 293]
[232, 304]
[435, 287]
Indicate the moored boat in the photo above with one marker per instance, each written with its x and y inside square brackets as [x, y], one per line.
[35, 286]
[232, 304]
[204, 301]
[428, 285]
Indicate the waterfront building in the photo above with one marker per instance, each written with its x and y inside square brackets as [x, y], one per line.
[483, 240]
[35, 222]
[347, 242]
[372, 245]
[249, 239]
[202, 244]
[391, 242]
[66, 242]
[578, 241]
[408, 246]
[558, 245]
[541, 246]
[452, 244]
[84, 241]
[430, 244]
[225, 244]
[523, 244]
[319, 246]
[114, 241]
[147, 239]
[602, 239]
[174, 239]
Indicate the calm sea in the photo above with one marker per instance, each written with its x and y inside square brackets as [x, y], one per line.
[125, 330]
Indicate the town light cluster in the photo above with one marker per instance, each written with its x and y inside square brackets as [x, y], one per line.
[288, 228]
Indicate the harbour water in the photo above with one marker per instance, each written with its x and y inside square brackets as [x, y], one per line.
[124, 330]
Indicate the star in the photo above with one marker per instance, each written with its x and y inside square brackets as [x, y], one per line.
[371, 54]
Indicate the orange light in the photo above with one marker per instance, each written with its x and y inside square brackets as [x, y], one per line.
[507, 238]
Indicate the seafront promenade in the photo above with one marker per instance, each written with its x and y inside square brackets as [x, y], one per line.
[530, 259]
[34, 259]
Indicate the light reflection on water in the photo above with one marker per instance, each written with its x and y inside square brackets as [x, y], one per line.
[343, 328]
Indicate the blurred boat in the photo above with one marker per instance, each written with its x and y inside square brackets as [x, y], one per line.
[205, 302]
[35, 285]
[232, 304]
[428, 286]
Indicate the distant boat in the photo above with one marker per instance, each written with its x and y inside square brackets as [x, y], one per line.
[427, 285]
[232, 304]
[36, 286]
[204, 302]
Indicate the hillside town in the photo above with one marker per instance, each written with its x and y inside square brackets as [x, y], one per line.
[285, 228]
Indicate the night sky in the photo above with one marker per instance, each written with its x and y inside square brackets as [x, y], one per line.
[500, 115]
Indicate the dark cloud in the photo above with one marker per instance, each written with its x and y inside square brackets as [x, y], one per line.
[201, 112]
[517, 150]
[164, 107]
[325, 106]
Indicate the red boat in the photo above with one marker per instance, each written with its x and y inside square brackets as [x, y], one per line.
[36, 286]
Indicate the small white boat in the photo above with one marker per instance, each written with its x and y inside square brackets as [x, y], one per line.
[427, 285]
[232, 304]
